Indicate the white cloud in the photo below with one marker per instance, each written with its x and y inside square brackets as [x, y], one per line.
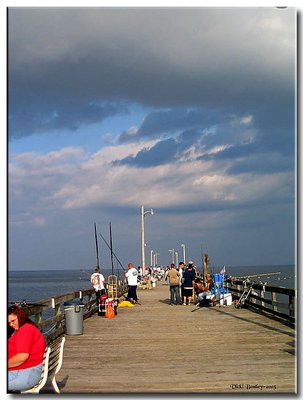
[246, 120]
[218, 149]
[39, 221]
[96, 181]
[35, 160]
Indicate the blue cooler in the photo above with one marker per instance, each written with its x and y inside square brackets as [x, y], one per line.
[219, 284]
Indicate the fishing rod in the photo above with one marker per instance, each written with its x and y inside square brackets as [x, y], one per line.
[118, 272]
[87, 273]
[201, 257]
[113, 251]
[24, 303]
[257, 275]
[111, 246]
[97, 247]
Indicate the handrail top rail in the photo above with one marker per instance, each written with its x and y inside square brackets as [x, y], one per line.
[261, 286]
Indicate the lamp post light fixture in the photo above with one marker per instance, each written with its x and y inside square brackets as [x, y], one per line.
[177, 258]
[156, 259]
[143, 213]
[172, 251]
[183, 247]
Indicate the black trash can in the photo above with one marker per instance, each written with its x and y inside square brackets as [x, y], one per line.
[73, 310]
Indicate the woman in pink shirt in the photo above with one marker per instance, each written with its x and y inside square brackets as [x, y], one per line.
[26, 346]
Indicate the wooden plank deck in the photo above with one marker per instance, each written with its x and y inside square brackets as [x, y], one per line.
[157, 348]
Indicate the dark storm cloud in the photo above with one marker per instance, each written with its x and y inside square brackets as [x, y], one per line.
[166, 150]
[176, 120]
[164, 122]
[235, 151]
[157, 57]
[261, 165]
[268, 140]
[163, 152]
[277, 128]
[57, 115]
[257, 157]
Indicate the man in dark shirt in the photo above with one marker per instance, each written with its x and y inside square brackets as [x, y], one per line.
[189, 279]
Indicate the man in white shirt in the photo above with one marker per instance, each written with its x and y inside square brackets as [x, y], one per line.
[98, 282]
[132, 281]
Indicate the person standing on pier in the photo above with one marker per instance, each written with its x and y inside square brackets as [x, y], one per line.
[174, 281]
[132, 281]
[189, 280]
[98, 282]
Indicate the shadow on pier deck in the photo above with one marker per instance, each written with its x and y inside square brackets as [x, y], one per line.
[157, 348]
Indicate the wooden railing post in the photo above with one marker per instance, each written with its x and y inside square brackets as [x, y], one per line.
[240, 289]
[274, 301]
[57, 312]
[38, 318]
[291, 305]
[262, 294]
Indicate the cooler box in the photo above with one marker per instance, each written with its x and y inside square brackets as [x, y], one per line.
[105, 302]
[219, 284]
[102, 304]
[227, 299]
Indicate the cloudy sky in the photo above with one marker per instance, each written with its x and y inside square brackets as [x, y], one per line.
[189, 111]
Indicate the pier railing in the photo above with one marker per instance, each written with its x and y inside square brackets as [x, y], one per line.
[50, 318]
[49, 315]
[275, 300]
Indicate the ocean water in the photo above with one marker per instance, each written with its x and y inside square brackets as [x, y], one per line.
[285, 275]
[38, 285]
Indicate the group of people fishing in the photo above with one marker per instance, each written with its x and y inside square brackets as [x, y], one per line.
[99, 284]
[185, 285]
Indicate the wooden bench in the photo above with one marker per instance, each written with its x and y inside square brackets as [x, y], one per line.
[52, 363]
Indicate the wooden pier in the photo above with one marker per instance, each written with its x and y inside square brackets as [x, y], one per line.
[158, 348]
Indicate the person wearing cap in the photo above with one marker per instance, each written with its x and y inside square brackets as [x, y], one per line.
[98, 283]
[189, 279]
[192, 264]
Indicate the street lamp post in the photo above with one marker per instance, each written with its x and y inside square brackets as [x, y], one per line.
[177, 258]
[151, 211]
[151, 258]
[183, 247]
[172, 251]
[156, 259]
